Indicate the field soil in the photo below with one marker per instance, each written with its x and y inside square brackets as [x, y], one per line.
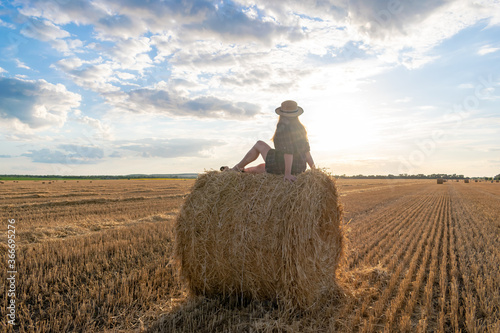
[96, 256]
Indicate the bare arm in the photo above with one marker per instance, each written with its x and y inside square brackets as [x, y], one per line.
[310, 160]
[288, 167]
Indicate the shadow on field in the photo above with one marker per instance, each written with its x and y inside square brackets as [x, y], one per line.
[231, 315]
[331, 313]
[216, 315]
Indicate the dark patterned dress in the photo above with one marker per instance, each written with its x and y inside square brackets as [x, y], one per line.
[288, 141]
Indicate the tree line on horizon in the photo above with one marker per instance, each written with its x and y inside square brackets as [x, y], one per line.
[194, 175]
[96, 177]
[417, 176]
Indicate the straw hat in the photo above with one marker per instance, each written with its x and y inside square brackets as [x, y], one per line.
[289, 109]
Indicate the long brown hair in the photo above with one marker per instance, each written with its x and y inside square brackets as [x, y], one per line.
[292, 124]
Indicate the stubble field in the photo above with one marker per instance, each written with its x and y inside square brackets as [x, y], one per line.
[96, 256]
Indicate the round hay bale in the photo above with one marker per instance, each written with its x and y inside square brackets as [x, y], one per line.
[259, 237]
[440, 181]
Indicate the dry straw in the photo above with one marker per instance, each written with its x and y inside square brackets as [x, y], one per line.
[259, 237]
[440, 181]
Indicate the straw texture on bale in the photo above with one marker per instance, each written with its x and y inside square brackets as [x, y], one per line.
[440, 181]
[259, 237]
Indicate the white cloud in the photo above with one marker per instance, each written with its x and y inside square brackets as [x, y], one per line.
[131, 53]
[269, 48]
[249, 44]
[406, 32]
[33, 105]
[283, 11]
[114, 20]
[67, 154]
[43, 30]
[162, 101]
[104, 130]
[92, 75]
[21, 64]
[169, 148]
[46, 31]
[399, 31]
[67, 46]
[487, 49]
[7, 24]
[125, 76]
[165, 44]
[63, 12]
[2, 70]
[68, 64]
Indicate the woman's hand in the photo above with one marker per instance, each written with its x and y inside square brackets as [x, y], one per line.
[290, 178]
[310, 160]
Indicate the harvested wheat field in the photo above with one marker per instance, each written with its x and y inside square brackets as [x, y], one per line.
[98, 257]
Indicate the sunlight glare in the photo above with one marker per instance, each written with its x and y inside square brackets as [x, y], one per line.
[339, 131]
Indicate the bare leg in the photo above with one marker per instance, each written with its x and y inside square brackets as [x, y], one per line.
[260, 148]
[261, 168]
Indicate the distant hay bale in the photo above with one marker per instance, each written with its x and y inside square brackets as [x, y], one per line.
[440, 181]
[466, 181]
[259, 237]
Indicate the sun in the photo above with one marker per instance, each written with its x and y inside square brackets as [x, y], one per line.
[350, 129]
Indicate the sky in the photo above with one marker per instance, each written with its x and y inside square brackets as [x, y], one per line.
[116, 87]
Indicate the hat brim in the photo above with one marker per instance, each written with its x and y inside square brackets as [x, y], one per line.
[295, 113]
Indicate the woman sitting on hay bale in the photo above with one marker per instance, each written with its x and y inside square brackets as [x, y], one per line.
[291, 152]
